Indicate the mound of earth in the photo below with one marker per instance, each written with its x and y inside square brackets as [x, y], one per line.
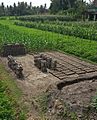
[74, 101]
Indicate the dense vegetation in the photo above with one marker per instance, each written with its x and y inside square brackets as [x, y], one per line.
[68, 6]
[71, 7]
[44, 18]
[23, 8]
[73, 30]
[37, 40]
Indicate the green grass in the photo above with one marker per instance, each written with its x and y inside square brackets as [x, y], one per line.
[10, 82]
[10, 96]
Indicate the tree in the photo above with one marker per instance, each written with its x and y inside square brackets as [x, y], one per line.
[41, 9]
[2, 9]
[57, 5]
[14, 9]
[68, 5]
[11, 11]
[21, 9]
[80, 6]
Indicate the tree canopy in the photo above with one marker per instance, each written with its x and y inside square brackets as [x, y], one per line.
[23, 8]
[58, 5]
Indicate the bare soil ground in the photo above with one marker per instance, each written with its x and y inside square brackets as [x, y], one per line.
[77, 95]
[34, 83]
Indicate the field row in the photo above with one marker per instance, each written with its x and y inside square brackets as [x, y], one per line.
[37, 40]
[58, 20]
[85, 24]
[44, 18]
[73, 30]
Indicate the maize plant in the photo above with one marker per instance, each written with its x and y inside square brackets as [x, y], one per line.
[39, 40]
[73, 30]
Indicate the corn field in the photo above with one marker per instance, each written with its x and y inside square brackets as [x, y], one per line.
[44, 18]
[41, 40]
[71, 30]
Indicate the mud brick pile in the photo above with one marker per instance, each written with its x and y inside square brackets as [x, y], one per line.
[72, 70]
[13, 49]
[15, 66]
[44, 62]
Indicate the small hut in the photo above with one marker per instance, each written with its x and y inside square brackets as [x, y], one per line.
[91, 13]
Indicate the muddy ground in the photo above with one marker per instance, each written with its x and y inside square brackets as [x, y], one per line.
[77, 96]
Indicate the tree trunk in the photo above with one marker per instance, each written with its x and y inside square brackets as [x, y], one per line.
[69, 4]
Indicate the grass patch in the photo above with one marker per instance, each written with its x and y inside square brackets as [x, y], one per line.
[9, 96]
[7, 80]
[42, 103]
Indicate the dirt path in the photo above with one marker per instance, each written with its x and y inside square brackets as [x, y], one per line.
[35, 82]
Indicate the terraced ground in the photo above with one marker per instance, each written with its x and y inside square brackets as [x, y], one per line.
[68, 92]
